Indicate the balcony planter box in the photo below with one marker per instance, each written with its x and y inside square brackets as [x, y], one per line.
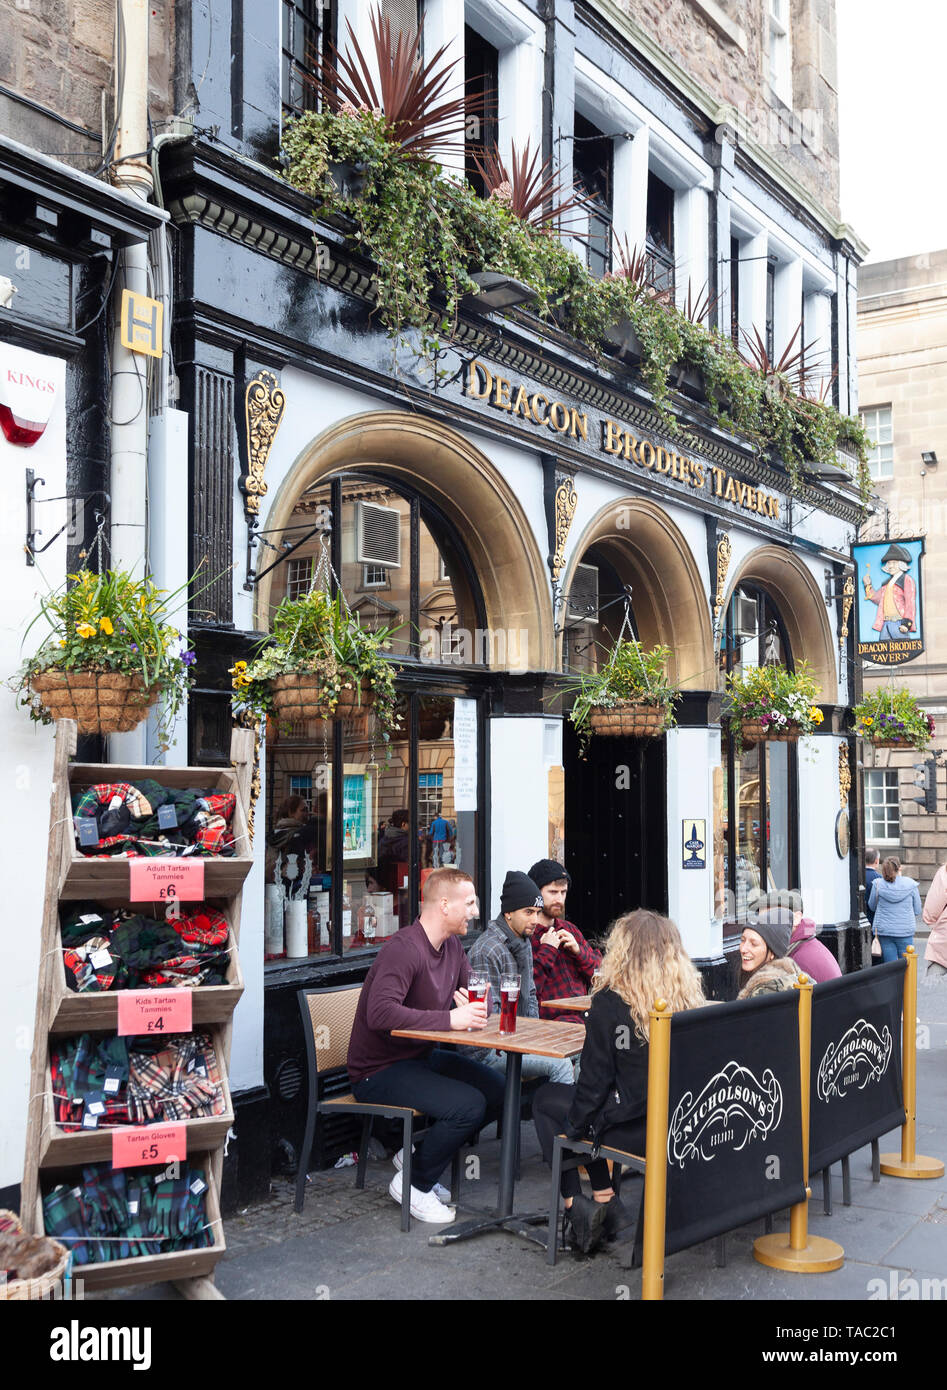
[623, 339]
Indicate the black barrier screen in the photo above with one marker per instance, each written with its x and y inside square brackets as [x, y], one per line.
[734, 1117]
[856, 1061]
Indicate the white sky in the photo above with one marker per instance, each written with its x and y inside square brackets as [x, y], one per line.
[892, 57]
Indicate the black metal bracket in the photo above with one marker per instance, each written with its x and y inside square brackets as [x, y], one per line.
[834, 585]
[254, 537]
[32, 501]
[559, 599]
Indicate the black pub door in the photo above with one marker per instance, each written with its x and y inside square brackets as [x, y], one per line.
[616, 828]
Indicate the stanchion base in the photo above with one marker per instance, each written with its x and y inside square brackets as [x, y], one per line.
[817, 1256]
[894, 1166]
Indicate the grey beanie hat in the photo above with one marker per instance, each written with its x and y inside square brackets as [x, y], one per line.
[774, 925]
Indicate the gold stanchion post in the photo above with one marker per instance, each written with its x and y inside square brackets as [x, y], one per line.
[797, 1251]
[656, 1152]
[910, 1164]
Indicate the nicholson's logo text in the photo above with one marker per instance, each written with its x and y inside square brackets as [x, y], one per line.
[859, 1057]
[731, 1110]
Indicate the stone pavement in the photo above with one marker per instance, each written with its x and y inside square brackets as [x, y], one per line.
[347, 1245]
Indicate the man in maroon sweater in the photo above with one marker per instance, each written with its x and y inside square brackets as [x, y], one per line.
[417, 975]
[563, 961]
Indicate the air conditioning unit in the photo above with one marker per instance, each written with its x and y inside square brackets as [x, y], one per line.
[583, 594]
[378, 535]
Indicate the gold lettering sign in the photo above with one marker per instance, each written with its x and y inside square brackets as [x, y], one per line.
[494, 390]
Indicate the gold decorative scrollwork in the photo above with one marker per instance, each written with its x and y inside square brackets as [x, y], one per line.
[566, 502]
[246, 721]
[724, 552]
[848, 598]
[265, 403]
[844, 775]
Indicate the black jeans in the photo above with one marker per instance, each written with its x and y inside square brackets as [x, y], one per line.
[458, 1094]
[550, 1107]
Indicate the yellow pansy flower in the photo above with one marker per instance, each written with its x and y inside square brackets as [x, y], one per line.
[85, 629]
[240, 666]
[106, 625]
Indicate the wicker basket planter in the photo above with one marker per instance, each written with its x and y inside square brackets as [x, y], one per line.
[754, 732]
[300, 695]
[895, 743]
[22, 1289]
[101, 702]
[628, 719]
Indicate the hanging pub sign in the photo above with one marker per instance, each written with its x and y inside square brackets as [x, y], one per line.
[734, 1146]
[889, 629]
[855, 1083]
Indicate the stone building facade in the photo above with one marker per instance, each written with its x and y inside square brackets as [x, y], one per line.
[902, 351]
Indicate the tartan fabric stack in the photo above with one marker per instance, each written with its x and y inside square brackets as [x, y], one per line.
[116, 1214]
[112, 948]
[101, 1081]
[144, 818]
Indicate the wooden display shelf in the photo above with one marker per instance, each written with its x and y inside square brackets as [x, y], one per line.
[94, 1011]
[59, 1010]
[64, 1148]
[157, 1269]
[93, 877]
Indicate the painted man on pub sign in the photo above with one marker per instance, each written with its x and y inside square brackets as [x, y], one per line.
[897, 599]
[890, 632]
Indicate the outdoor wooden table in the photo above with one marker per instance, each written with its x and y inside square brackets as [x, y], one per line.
[576, 1003]
[542, 1037]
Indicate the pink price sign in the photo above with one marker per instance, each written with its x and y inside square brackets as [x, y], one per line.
[134, 1148]
[163, 880]
[154, 1012]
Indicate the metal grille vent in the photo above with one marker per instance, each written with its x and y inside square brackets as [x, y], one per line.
[403, 15]
[378, 535]
[288, 1079]
[583, 595]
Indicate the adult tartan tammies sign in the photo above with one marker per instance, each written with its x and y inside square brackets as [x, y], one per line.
[856, 1061]
[734, 1144]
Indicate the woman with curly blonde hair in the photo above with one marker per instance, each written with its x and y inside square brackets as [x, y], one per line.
[644, 961]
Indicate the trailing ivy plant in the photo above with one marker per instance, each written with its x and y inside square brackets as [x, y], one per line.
[427, 233]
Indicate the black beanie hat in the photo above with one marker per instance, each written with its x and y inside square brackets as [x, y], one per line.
[774, 925]
[548, 871]
[519, 890]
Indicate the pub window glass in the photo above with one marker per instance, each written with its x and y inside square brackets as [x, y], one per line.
[337, 795]
[760, 781]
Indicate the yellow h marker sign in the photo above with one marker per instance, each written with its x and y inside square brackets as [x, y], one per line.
[142, 324]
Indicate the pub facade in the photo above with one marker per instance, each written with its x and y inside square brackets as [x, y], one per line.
[505, 509]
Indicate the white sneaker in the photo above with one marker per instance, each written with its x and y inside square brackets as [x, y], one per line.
[441, 1193]
[424, 1205]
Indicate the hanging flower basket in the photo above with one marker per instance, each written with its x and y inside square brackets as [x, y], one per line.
[630, 697]
[892, 718]
[320, 664]
[769, 704]
[628, 719]
[302, 695]
[754, 731]
[101, 702]
[109, 655]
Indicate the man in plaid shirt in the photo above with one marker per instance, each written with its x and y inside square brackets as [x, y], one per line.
[563, 961]
[504, 948]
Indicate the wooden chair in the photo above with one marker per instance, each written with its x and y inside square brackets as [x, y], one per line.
[327, 1016]
[579, 1148]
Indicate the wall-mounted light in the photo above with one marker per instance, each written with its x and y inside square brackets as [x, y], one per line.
[929, 458]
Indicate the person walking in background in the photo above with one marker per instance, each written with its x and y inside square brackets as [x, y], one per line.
[872, 871]
[439, 832]
[896, 904]
[935, 915]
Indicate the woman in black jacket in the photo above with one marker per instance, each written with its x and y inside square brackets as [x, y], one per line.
[644, 961]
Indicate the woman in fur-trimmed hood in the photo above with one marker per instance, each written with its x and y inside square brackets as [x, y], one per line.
[771, 978]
